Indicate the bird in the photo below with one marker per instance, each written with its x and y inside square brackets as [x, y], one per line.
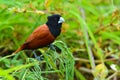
[43, 35]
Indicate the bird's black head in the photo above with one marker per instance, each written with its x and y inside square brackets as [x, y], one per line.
[54, 23]
[55, 19]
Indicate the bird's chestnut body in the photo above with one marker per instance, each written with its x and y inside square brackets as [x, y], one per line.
[44, 34]
[39, 38]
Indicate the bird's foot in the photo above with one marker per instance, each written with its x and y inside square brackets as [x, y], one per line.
[52, 47]
[39, 58]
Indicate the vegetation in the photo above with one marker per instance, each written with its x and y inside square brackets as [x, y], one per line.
[88, 47]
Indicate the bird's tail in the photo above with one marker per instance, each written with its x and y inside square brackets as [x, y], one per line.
[19, 49]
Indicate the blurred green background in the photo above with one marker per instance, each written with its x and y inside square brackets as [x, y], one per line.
[91, 33]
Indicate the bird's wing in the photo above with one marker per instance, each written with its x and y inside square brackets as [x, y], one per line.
[38, 33]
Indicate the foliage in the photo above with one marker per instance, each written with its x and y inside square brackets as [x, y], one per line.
[91, 32]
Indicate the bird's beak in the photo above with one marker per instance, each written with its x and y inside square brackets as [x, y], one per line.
[61, 20]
